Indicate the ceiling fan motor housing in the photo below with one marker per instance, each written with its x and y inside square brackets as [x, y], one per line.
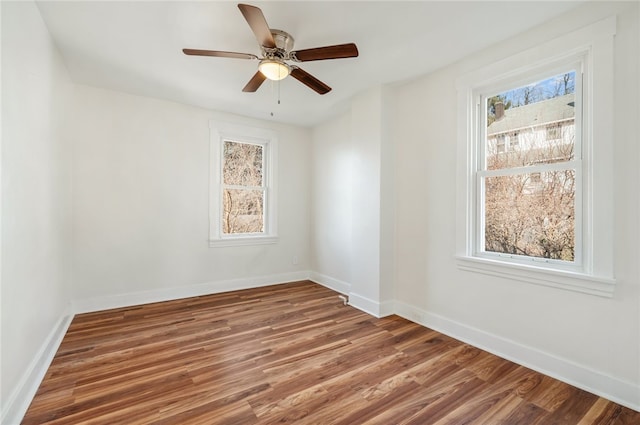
[284, 43]
[283, 40]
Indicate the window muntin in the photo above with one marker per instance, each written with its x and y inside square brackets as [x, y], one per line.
[529, 187]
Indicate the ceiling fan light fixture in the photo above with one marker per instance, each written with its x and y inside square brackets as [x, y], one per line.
[274, 69]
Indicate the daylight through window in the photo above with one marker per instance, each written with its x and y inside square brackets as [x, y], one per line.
[243, 193]
[528, 175]
[243, 187]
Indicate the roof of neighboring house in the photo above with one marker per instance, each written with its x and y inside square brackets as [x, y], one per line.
[535, 114]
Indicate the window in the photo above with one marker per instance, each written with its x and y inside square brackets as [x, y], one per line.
[514, 140]
[554, 131]
[531, 209]
[528, 209]
[500, 143]
[243, 188]
[242, 198]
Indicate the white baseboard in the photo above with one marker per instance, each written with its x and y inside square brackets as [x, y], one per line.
[372, 307]
[369, 306]
[387, 308]
[174, 293]
[20, 398]
[365, 304]
[331, 283]
[609, 387]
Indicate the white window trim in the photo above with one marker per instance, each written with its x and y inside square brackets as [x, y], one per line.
[595, 274]
[219, 132]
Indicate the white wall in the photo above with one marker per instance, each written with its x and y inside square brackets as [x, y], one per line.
[332, 206]
[36, 197]
[589, 340]
[366, 139]
[140, 202]
[353, 206]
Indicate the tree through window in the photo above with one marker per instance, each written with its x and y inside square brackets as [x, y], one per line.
[529, 182]
[243, 191]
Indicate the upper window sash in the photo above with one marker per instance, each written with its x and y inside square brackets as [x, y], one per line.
[574, 62]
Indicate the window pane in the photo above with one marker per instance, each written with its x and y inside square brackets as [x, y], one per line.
[242, 211]
[532, 124]
[242, 164]
[531, 214]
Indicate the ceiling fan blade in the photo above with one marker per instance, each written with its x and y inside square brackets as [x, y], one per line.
[255, 82]
[339, 51]
[218, 53]
[258, 24]
[310, 81]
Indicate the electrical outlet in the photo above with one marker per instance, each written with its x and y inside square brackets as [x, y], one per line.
[294, 260]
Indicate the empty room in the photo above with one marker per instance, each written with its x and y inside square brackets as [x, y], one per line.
[320, 212]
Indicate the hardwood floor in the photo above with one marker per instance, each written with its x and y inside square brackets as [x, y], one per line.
[292, 354]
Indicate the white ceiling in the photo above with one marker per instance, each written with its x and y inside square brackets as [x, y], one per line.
[136, 47]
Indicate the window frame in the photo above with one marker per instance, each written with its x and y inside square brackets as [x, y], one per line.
[219, 133]
[593, 45]
[481, 173]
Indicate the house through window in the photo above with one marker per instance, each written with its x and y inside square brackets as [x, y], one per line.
[529, 189]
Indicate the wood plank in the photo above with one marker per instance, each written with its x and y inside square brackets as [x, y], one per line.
[294, 354]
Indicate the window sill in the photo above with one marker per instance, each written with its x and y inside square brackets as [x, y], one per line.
[243, 241]
[571, 281]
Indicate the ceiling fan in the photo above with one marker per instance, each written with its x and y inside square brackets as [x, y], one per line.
[276, 48]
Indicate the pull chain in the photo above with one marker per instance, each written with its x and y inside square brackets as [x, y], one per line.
[278, 88]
